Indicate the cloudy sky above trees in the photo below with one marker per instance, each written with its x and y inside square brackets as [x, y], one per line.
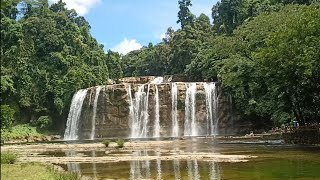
[125, 25]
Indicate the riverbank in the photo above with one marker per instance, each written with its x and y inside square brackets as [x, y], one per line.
[39, 152]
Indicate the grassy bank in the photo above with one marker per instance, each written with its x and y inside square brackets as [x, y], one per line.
[21, 131]
[10, 170]
[34, 171]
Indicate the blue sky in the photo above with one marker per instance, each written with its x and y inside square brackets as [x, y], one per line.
[125, 25]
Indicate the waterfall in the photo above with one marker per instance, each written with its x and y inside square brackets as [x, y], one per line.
[212, 108]
[138, 112]
[157, 115]
[190, 124]
[157, 81]
[71, 132]
[95, 103]
[174, 114]
[144, 131]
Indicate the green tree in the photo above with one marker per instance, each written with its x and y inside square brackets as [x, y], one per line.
[185, 17]
[269, 72]
[50, 52]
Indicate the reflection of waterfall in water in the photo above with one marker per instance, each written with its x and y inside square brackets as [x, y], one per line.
[190, 124]
[193, 169]
[140, 169]
[71, 132]
[214, 172]
[157, 115]
[94, 166]
[138, 112]
[95, 104]
[176, 169]
[176, 166]
[174, 110]
[73, 167]
[158, 165]
[212, 108]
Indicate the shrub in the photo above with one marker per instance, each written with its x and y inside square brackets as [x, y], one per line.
[106, 142]
[8, 158]
[19, 131]
[7, 118]
[44, 122]
[120, 143]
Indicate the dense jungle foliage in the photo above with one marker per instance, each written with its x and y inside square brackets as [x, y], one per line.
[48, 53]
[265, 53]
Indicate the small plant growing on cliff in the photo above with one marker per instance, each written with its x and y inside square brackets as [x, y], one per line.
[106, 143]
[8, 158]
[120, 143]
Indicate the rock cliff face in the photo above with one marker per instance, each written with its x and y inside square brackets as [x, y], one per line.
[114, 119]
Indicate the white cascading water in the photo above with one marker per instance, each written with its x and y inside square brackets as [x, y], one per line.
[94, 114]
[71, 132]
[157, 115]
[190, 124]
[157, 81]
[174, 110]
[139, 116]
[212, 108]
[138, 112]
[145, 130]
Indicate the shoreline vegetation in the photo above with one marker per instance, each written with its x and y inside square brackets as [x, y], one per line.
[27, 133]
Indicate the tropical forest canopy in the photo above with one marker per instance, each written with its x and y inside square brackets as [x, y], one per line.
[265, 53]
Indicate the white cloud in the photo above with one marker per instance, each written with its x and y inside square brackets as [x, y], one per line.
[126, 46]
[82, 7]
[160, 35]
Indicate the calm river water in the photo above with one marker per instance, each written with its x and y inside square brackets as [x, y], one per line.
[274, 160]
